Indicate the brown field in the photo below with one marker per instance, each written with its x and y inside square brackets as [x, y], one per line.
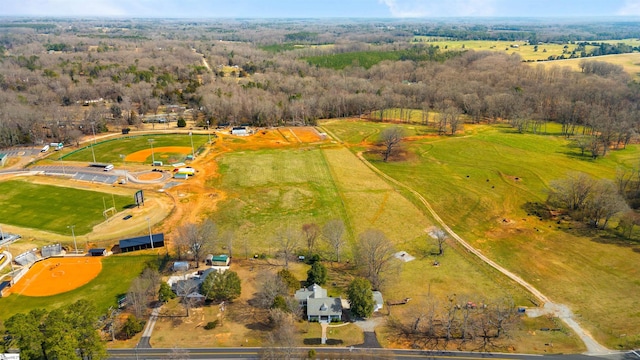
[142, 155]
[150, 176]
[305, 134]
[57, 275]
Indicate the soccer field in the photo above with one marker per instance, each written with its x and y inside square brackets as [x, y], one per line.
[54, 208]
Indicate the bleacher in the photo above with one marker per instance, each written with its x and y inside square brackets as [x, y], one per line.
[26, 259]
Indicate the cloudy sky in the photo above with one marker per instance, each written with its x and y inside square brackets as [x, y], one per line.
[320, 8]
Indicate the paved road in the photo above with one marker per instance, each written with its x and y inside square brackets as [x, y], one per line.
[342, 353]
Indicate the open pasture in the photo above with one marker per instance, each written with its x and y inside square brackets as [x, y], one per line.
[109, 151]
[630, 63]
[479, 184]
[57, 275]
[54, 208]
[522, 48]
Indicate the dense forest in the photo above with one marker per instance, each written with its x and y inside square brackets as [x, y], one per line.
[58, 78]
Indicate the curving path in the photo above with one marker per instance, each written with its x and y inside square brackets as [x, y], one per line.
[561, 311]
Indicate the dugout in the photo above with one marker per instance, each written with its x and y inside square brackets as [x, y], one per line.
[141, 243]
[98, 252]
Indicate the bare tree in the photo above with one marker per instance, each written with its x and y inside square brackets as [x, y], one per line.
[441, 238]
[184, 288]
[198, 238]
[311, 232]
[572, 192]
[374, 256]
[271, 285]
[281, 342]
[227, 238]
[333, 233]
[390, 139]
[287, 239]
[604, 202]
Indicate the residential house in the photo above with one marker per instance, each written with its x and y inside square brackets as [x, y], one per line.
[319, 306]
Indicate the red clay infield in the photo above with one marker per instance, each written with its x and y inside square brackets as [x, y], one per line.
[57, 275]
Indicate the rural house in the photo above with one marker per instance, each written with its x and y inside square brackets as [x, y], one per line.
[319, 306]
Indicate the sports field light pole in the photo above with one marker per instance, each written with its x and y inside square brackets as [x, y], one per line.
[209, 132]
[150, 237]
[193, 153]
[73, 233]
[94, 140]
[153, 159]
[122, 156]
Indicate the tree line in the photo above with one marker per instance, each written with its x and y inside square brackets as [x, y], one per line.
[43, 94]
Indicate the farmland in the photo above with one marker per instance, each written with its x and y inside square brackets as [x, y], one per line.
[479, 184]
[39, 206]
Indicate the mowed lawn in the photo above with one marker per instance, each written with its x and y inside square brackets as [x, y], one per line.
[109, 151]
[54, 208]
[479, 184]
[103, 291]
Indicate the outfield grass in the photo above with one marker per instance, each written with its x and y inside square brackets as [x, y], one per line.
[109, 151]
[114, 279]
[39, 206]
[479, 184]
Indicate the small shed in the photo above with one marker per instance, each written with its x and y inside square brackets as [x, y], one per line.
[218, 260]
[180, 266]
[157, 163]
[98, 252]
[239, 131]
[180, 176]
[377, 301]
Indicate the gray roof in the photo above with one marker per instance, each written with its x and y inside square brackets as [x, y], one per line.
[314, 291]
[324, 307]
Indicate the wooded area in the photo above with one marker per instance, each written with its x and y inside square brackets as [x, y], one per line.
[62, 79]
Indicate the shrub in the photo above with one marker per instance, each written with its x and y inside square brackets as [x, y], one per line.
[211, 325]
[182, 123]
[131, 327]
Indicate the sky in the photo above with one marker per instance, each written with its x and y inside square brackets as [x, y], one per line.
[320, 8]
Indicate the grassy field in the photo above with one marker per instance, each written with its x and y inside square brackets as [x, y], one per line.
[114, 279]
[39, 206]
[272, 189]
[479, 184]
[109, 151]
[630, 63]
[522, 48]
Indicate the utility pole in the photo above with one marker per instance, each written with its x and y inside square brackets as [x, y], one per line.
[153, 159]
[94, 141]
[150, 236]
[75, 245]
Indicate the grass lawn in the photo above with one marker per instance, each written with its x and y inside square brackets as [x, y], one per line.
[114, 279]
[479, 184]
[53, 208]
[109, 151]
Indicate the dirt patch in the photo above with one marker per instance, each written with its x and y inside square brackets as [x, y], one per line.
[143, 155]
[150, 176]
[57, 275]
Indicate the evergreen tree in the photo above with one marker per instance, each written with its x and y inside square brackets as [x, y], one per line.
[224, 286]
[317, 274]
[360, 297]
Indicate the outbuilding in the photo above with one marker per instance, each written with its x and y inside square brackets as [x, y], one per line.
[180, 266]
[98, 252]
[142, 242]
[217, 260]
